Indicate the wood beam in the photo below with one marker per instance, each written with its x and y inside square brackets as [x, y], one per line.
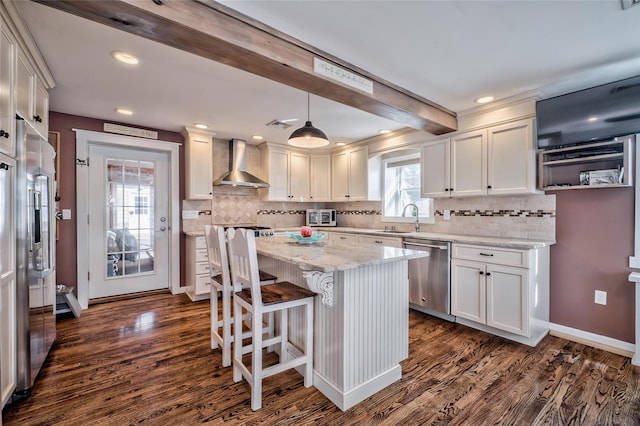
[209, 29]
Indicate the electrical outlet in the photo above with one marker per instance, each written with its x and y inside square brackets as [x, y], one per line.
[447, 215]
[189, 214]
[600, 297]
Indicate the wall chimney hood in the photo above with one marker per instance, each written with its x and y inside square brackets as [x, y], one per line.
[238, 176]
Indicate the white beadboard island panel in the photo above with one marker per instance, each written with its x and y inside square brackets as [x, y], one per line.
[361, 338]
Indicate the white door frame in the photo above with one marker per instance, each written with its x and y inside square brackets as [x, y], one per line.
[84, 138]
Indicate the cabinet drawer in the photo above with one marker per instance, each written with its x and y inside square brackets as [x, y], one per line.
[203, 284]
[496, 255]
[201, 243]
[202, 268]
[380, 241]
[201, 256]
[341, 238]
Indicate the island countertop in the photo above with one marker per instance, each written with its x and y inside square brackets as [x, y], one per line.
[326, 256]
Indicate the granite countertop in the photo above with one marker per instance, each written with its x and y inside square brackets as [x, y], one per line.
[518, 243]
[326, 256]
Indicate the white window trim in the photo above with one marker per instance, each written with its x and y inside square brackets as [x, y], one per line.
[430, 219]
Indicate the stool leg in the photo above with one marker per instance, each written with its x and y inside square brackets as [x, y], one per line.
[237, 341]
[308, 351]
[226, 327]
[256, 364]
[214, 316]
[284, 335]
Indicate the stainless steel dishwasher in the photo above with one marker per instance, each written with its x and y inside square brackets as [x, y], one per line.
[429, 289]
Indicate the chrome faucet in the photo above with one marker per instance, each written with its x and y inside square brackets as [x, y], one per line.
[404, 210]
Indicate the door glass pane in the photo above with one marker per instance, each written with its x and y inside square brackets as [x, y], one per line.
[129, 206]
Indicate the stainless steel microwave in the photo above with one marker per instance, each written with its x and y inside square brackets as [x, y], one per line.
[321, 217]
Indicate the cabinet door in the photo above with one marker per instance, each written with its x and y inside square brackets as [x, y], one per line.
[511, 158]
[299, 176]
[320, 184]
[507, 299]
[41, 110]
[468, 164]
[7, 54]
[340, 176]
[279, 170]
[199, 167]
[358, 177]
[435, 169]
[24, 90]
[468, 290]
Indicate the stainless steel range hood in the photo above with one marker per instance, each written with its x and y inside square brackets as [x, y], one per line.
[238, 176]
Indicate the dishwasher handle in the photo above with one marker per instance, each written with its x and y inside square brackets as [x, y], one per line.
[441, 247]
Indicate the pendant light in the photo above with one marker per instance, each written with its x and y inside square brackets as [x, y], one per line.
[308, 136]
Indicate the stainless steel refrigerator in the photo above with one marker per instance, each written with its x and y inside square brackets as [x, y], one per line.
[35, 254]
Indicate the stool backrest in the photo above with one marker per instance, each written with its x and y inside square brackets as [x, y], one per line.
[217, 252]
[244, 262]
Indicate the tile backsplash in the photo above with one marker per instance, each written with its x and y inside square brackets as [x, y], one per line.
[521, 216]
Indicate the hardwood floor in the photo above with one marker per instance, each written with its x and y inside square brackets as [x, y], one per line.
[148, 361]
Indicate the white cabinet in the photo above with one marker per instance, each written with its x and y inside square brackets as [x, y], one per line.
[287, 172]
[320, 179]
[343, 238]
[380, 241]
[198, 164]
[492, 161]
[198, 277]
[7, 114]
[8, 348]
[500, 290]
[31, 97]
[354, 177]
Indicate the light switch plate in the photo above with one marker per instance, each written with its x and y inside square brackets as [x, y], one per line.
[66, 214]
[600, 297]
[189, 214]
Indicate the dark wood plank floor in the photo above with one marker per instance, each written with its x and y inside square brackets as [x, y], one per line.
[148, 361]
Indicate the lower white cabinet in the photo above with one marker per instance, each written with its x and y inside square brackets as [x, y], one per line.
[501, 290]
[380, 241]
[198, 277]
[7, 339]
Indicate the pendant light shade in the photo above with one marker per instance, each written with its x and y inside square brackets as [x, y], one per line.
[308, 136]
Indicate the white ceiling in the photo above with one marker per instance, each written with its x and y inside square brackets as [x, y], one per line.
[449, 52]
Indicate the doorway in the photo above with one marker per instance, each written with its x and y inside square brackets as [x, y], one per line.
[129, 242]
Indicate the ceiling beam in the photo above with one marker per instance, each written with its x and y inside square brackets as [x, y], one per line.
[209, 29]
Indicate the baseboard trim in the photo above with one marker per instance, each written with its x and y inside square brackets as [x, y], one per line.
[108, 299]
[591, 339]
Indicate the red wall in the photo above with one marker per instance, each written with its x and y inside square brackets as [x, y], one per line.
[66, 245]
[594, 239]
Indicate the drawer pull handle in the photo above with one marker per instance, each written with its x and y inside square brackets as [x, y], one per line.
[343, 238]
[486, 254]
[378, 242]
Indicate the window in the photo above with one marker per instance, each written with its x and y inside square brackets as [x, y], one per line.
[402, 187]
[142, 205]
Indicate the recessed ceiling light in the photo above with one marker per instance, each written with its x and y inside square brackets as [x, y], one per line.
[384, 131]
[340, 143]
[124, 111]
[593, 118]
[201, 126]
[126, 58]
[257, 137]
[484, 99]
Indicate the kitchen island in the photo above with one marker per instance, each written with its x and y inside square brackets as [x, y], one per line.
[360, 316]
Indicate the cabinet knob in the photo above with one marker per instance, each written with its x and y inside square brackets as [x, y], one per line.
[488, 186]
[450, 189]
[481, 272]
[488, 274]
[446, 189]
[37, 118]
[3, 133]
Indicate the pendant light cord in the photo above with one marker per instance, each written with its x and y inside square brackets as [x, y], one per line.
[308, 106]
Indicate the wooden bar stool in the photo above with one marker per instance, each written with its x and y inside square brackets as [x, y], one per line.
[221, 328]
[258, 300]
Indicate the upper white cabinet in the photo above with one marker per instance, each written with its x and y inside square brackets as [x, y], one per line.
[492, 161]
[31, 97]
[320, 184]
[198, 164]
[354, 177]
[287, 173]
[7, 114]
